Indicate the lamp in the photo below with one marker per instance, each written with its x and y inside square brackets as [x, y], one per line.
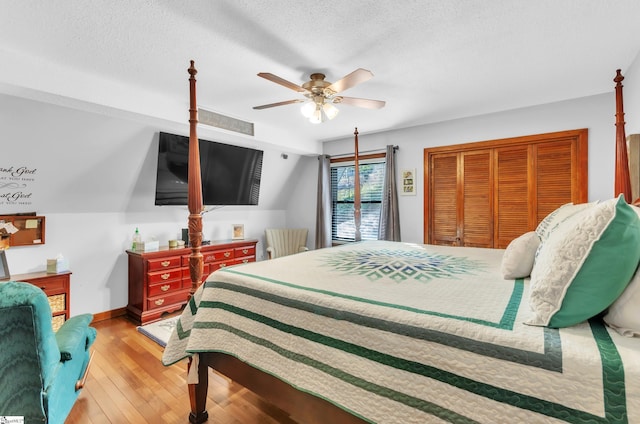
[318, 108]
[316, 117]
[308, 108]
[330, 110]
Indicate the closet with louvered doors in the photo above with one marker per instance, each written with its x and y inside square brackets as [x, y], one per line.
[486, 194]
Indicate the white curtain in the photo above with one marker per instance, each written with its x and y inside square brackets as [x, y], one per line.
[323, 206]
[389, 215]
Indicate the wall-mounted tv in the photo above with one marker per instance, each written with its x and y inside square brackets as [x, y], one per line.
[230, 174]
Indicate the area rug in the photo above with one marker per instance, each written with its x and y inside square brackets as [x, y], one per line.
[159, 331]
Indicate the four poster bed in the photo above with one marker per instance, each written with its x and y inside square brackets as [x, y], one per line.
[407, 333]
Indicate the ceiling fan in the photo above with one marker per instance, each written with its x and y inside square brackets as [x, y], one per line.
[321, 95]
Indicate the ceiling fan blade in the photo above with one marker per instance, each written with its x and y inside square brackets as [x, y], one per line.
[354, 101]
[286, 102]
[354, 78]
[281, 81]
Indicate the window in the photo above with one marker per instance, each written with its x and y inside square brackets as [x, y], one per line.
[342, 198]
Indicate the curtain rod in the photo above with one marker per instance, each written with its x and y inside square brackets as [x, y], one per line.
[363, 152]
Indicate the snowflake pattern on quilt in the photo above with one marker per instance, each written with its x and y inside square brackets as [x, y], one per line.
[401, 265]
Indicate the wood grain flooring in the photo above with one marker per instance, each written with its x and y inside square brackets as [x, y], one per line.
[127, 383]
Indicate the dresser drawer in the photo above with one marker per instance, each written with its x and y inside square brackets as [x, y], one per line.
[169, 299]
[164, 276]
[164, 263]
[245, 251]
[222, 264]
[52, 284]
[245, 260]
[186, 274]
[218, 255]
[164, 288]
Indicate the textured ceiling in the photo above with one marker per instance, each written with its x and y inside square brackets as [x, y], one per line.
[432, 60]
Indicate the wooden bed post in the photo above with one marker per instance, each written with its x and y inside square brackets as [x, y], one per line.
[195, 188]
[197, 392]
[356, 188]
[622, 183]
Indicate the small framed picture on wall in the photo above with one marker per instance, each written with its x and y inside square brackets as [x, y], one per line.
[408, 182]
[238, 231]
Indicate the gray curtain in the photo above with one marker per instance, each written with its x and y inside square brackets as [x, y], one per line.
[323, 206]
[389, 214]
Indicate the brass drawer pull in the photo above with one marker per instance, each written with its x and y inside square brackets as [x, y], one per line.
[165, 263]
[244, 261]
[223, 265]
[245, 251]
[159, 302]
[165, 288]
[165, 276]
[227, 254]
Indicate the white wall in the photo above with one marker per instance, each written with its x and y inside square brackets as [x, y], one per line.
[595, 113]
[631, 96]
[94, 181]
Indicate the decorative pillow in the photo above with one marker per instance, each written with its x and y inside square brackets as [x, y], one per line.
[585, 265]
[517, 261]
[624, 315]
[558, 216]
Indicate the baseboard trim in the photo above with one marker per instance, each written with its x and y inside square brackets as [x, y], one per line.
[109, 314]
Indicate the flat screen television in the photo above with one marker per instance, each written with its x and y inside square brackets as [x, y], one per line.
[230, 174]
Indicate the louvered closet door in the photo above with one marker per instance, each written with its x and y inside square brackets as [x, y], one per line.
[444, 199]
[488, 193]
[512, 199]
[555, 164]
[477, 199]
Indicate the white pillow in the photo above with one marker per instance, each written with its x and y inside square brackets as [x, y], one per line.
[585, 265]
[558, 216]
[517, 261]
[624, 315]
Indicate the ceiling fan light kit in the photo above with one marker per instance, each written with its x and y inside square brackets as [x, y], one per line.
[322, 95]
[318, 109]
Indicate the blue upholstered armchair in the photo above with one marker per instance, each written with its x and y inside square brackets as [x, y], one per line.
[41, 372]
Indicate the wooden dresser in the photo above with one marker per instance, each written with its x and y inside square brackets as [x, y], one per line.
[57, 289]
[159, 282]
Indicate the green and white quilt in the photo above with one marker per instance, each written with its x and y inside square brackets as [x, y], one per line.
[408, 333]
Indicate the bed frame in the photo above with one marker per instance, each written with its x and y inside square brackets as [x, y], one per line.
[301, 406]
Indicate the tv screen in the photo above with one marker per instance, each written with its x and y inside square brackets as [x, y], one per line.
[230, 174]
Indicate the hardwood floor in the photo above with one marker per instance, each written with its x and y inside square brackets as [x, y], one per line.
[127, 383]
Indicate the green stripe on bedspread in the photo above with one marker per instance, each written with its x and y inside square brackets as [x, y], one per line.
[506, 322]
[550, 360]
[412, 401]
[613, 374]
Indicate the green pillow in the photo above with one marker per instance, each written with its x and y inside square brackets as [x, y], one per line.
[585, 265]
